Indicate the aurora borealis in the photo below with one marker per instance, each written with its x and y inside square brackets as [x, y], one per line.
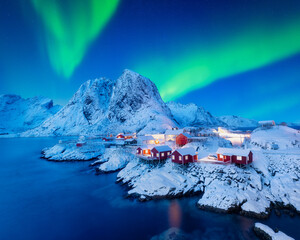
[71, 27]
[232, 57]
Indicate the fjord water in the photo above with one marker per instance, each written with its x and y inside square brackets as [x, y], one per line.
[40, 199]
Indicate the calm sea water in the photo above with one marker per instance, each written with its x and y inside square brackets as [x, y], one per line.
[40, 199]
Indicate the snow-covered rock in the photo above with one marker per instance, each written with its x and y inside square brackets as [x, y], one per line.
[18, 114]
[115, 159]
[278, 137]
[192, 115]
[70, 152]
[129, 104]
[236, 122]
[271, 178]
[265, 232]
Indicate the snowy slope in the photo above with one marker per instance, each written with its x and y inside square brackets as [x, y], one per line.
[238, 122]
[192, 115]
[284, 137]
[18, 114]
[131, 103]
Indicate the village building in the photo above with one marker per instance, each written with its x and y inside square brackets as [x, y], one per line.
[144, 140]
[130, 141]
[235, 155]
[170, 135]
[159, 138]
[184, 155]
[161, 152]
[143, 150]
[183, 139]
[128, 136]
[120, 136]
[266, 124]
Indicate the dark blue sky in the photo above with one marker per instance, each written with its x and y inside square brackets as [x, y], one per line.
[232, 57]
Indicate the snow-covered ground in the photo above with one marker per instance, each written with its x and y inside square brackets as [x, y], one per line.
[70, 152]
[282, 137]
[115, 159]
[272, 178]
[265, 232]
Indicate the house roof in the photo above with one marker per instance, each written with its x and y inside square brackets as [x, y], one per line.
[233, 151]
[173, 132]
[143, 147]
[186, 151]
[146, 138]
[130, 140]
[163, 148]
[187, 135]
[266, 122]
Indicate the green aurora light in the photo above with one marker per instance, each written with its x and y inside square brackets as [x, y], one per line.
[200, 67]
[71, 28]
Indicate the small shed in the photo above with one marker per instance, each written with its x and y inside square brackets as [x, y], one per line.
[182, 139]
[161, 152]
[235, 155]
[184, 155]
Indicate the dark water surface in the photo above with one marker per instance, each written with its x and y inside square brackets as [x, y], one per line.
[40, 199]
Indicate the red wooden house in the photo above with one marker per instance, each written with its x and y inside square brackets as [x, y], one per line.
[182, 139]
[120, 136]
[143, 150]
[161, 152]
[235, 155]
[184, 155]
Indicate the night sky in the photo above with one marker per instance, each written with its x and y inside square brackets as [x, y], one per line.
[237, 57]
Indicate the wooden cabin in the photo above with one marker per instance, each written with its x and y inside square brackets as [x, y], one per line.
[184, 155]
[235, 155]
[120, 136]
[128, 136]
[161, 152]
[143, 150]
[182, 139]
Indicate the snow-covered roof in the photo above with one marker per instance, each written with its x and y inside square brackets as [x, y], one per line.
[233, 151]
[186, 151]
[163, 148]
[173, 132]
[266, 122]
[145, 147]
[187, 135]
[146, 138]
[130, 140]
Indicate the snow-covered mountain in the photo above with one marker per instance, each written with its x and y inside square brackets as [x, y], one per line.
[238, 122]
[18, 114]
[129, 104]
[192, 115]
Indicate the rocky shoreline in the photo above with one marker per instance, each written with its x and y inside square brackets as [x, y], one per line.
[272, 180]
